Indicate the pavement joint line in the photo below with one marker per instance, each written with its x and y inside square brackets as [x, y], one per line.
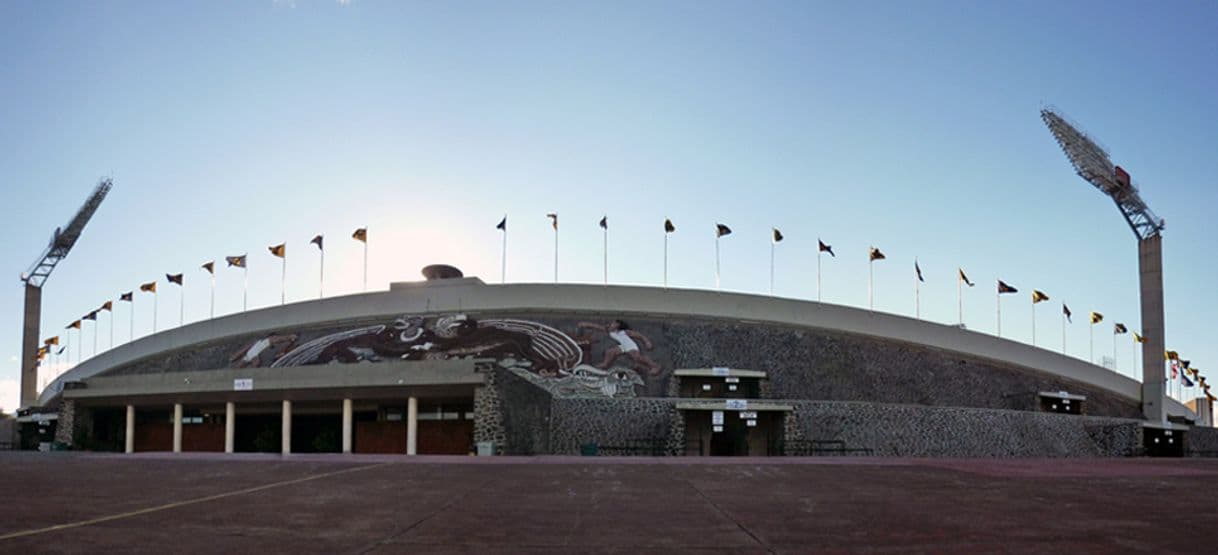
[724, 514]
[419, 522]
[176, 504]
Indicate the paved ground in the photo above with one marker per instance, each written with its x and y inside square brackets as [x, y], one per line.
[76, 503]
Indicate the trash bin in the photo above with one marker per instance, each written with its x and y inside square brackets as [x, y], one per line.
[486, 448]
[589, 449]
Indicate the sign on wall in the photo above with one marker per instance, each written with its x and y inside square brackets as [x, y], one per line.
[243, 384]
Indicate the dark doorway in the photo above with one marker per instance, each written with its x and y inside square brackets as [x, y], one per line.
[734, 433]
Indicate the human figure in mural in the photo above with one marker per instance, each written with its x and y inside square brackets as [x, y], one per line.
[251, 355]
[627, 341]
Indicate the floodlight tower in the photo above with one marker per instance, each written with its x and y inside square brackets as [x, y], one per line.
[62, 241]
[1091, 162]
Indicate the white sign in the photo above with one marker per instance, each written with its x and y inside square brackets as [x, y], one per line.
[731, 387]
[720, 429]
[717, 418]
[748, 415]
[706, 387]
[751, 423]
[737, 404]
[719, 371]
[243, 384]
[731, 380]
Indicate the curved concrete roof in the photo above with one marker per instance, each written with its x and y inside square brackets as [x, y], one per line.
[472, 295]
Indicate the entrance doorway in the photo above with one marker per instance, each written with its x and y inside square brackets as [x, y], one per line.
[732, 433]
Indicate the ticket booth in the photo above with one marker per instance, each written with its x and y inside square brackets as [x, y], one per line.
[1163, 440]
[733, 427]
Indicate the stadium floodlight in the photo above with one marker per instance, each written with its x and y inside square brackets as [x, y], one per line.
[57, 249]
[1092, 163]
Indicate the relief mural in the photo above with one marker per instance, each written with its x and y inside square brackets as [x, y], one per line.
[539, 353]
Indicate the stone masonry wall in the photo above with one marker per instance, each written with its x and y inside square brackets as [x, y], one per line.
[615, 423]
[1203, 439]
[918, 431]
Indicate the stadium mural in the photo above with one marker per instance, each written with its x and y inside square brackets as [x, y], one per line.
[539, 353]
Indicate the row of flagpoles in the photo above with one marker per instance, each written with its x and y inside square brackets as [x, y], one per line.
[720, 231]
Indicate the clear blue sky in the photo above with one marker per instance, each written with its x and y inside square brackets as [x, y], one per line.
[231, 126]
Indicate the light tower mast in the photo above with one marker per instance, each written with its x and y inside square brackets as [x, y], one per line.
[1091, 162]
[61, 243]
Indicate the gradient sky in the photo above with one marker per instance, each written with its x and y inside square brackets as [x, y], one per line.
[911, 126]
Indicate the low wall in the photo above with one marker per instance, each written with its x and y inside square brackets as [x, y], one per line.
[613, 423]
[919, 431]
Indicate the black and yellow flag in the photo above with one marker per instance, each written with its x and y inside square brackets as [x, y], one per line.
[668, 227]
[721, 230]
[553, 219]
[90, 316]
[1171, 355]
[73, 325]
[875, 254]
[43, 352]
[1096, 317]
[964, 278]
[1004, 288]
[360, 235]
[280, 250]
[210, 266]
[127, 297]
[108, 306]
[238, 261]
[149, 287]
[1039, 296]
[1138, 338]
[51, 341]
[1119, 328]
[174, 278]
[825, 248]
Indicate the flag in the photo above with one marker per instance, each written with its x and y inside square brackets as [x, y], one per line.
[1138, 338]
[149, 287]
[826, 248]
[874, 254]
[1096, 317]
[174, 278]
[280, 250]
[318, 240]
[361, 235]
[1118, 328]
[604, 223]
[210, 266]
[1185, 363]
[777, 236]
[964, 278]
[1004, 288]
[238, 261]
[90, 316]
[1171, 355]
[43, 352]
[553, 219]
[1175, 369]
[1066, 311]
[502, 225]
[721, 230]
[51, 341]
[1184, 380]
[73, 325]
[918, 270]
[127, 297]
[61, 350]
[668, 227]
[1038, 296]
[107, 306]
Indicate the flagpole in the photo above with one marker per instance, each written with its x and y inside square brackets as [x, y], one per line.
[95, 335]
[960, 297]
[771, 268]
[212, 311]
[1033, 323]
[870, 276]
[998, 302]
[111, 311]
[1063, 332]
[716, 262]
[1091, 341]
[154, 306]
[917, 295]
[283, 278]
[245, 287]
[130, 321]
[666, 259]
[503, 254]
[181, 304]
[1115, 367]
[321, 273]
[818, 272]
[365, 259]
[556, 251]
[605, 250]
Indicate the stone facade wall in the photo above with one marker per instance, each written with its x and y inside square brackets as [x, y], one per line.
[615, 423]
[488, 412]
[1203, 439]
[525, 410]
[920, 431]
[70, 422]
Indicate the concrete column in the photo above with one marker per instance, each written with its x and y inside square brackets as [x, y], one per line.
[1150, 275]
[230, 425]
[347, 425]
[130, 437]
[177, 427]
[286, 432]
[31, 327]
[412, 426]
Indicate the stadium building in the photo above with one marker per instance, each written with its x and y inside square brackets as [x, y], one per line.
[452, 365]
